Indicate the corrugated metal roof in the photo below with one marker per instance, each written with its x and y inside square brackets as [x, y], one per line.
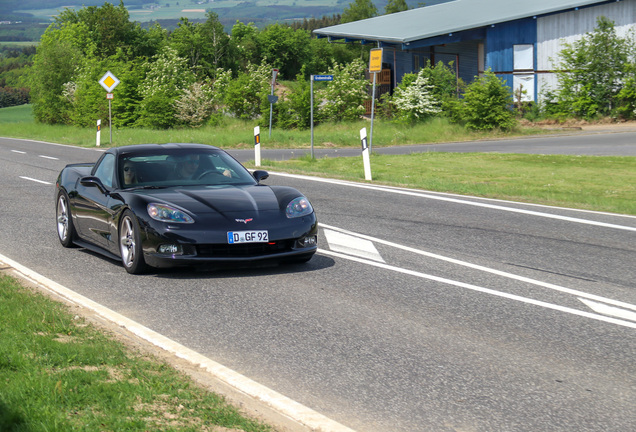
[445, 18]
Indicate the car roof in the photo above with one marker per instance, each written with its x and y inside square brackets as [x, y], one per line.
[140, 148]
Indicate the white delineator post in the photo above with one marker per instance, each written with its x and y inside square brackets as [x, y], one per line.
[99, 133]
[365, 154]
[257, 146]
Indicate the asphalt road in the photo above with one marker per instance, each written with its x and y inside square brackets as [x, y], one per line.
[421, 311]
[604, 142]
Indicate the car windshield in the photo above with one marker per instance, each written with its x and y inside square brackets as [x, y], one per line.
[181, 167]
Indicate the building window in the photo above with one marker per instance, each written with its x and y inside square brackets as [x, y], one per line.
[523, 73]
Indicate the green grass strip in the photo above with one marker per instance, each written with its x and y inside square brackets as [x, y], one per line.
[585, 182]
[59, 373]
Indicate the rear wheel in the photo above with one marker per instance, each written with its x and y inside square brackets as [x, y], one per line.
[130, 244]
[65, 227]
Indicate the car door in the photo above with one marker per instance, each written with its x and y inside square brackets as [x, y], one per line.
[92, 210]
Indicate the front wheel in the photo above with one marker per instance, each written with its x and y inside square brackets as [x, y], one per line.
[130, 244]
[65, 227]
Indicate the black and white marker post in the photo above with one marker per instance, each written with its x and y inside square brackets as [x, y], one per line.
[99, 133]
[257, 146]
[365, 154]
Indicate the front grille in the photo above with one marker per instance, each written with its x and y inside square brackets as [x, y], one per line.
[244, 249]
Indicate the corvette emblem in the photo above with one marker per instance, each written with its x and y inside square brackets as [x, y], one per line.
[244, 220]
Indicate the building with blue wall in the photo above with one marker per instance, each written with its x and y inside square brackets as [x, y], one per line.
[517, 40]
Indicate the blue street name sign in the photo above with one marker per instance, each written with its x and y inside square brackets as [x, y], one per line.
[323, 77]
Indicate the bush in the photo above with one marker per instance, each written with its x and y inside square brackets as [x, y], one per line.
[344, 96]
[245, 95]
[413, 99]
[10, 96]
[487, 105]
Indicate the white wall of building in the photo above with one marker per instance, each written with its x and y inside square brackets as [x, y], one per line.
[555, 30]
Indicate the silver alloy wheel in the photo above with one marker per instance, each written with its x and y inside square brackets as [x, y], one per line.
[62, 218]
[127, 242]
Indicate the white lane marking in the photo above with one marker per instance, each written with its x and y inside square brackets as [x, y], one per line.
[610, 310]
[288, 407]
[488, 269]
[35, 180]
[482, 289]
[55, 144]
[465, 202]
[48, 157]
[352, 245]
[18, 151]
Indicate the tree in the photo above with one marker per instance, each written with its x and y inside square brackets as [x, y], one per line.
[167, 78]
[285, 48]
[246, 45]
[204, 45]
[394, 6]
[109, 29]
[54, 65]
[591, 72]
[359, 10]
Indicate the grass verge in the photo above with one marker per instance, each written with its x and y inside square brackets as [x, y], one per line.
[60, 373]
[584, 182]
[17, 122]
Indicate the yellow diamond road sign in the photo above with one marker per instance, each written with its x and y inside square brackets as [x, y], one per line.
[109, 81]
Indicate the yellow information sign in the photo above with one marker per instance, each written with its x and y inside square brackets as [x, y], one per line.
[375, 60]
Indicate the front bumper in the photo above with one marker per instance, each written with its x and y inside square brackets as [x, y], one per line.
[166, 246]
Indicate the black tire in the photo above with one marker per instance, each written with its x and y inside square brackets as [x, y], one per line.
[65, 228]
[132, 256]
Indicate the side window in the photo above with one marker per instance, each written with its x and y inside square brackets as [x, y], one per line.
[106, 169]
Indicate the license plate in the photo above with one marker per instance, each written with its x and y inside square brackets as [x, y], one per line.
[247, 237]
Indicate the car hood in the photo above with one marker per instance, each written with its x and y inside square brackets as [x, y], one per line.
[218, 199]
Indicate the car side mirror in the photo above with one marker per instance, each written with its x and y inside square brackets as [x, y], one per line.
[93, 182]
[260, 175]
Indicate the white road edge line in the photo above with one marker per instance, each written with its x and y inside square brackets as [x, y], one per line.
[274, 400]
[36, 180]
[487, 269]
[482, 289]
[463, 202]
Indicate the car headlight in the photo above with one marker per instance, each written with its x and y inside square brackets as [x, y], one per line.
[166, 213]
[298, 207]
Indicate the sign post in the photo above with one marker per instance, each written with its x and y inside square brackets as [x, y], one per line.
[257, 146]
[375, 66]
[315, 78]
[109, 82]
[365, 154]
[272, 100]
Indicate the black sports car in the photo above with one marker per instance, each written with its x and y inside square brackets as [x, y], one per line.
[165, 205]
